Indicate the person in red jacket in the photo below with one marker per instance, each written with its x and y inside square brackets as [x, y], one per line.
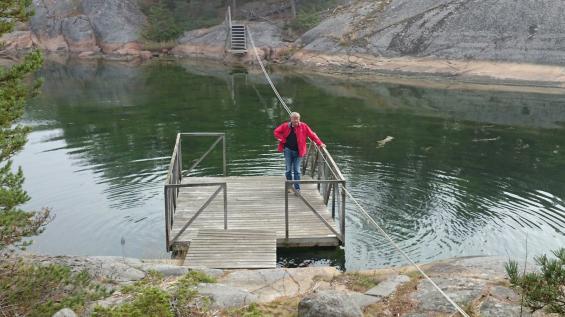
[292, 142]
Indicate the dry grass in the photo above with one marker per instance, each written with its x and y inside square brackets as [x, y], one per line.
[282, 307]
[399, 303]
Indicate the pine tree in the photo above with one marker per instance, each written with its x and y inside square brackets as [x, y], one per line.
[15, 224]
[544, 289]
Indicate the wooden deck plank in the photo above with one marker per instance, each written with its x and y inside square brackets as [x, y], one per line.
[255, 202]
[233, 249]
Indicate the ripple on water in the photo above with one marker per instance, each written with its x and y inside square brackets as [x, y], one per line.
[443, 218]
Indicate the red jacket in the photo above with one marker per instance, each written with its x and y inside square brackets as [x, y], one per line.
[302, 131]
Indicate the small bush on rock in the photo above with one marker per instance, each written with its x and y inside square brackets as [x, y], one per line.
[148, 299]
[161, 25]
[544, 289]
[34, 290]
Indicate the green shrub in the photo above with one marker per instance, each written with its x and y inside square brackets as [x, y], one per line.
[304, 21]
[33, 290]
[161, 25]
[186, 293]
[151, 279]
[149, 301]
[544, 289]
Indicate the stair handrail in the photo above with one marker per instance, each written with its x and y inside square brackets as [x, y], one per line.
[228, 26]
[229, 16]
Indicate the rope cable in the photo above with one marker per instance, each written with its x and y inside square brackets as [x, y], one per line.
[363, 211]
[266, 74]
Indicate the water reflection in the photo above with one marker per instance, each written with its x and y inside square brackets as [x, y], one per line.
[468, 172]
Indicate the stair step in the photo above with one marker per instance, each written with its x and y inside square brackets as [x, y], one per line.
[240, 50]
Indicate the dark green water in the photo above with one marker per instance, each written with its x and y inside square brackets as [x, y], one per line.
[468, 172]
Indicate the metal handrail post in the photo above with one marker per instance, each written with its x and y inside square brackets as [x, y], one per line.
[305, 161]
[225, 186]
[224, 155]
[180, 160]
[167, 224]
[342, 218]
[286, 209]
[333, 189]
[314, 164]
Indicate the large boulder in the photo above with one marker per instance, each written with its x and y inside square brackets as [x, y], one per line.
[329, 304]
[113, 26]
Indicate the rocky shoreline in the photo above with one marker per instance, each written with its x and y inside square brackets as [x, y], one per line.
[478, 284]
[370, 37]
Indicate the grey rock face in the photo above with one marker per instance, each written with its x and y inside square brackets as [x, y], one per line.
[460, 290]
[65, 312]
[114, 268]
[216, 273]
[328, 304]
[501, 30]
[115, 21]
[77, 28]
[224, 296]
[492, 308]
[265, 34]
[363, 300]
[79, 34]
[214, 35]
[269, 284]
[48, 16]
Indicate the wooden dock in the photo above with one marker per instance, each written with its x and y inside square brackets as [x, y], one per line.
[239, 221]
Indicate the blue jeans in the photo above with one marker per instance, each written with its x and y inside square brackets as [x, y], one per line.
[292, 162]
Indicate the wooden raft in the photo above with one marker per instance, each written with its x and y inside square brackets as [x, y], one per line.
[255, 203]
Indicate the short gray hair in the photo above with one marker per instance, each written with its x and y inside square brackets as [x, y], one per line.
[295, 114]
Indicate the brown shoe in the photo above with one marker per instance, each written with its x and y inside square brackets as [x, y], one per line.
[290, 190]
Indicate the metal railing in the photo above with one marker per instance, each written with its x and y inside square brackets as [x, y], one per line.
[173, 183]
[320, 166]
